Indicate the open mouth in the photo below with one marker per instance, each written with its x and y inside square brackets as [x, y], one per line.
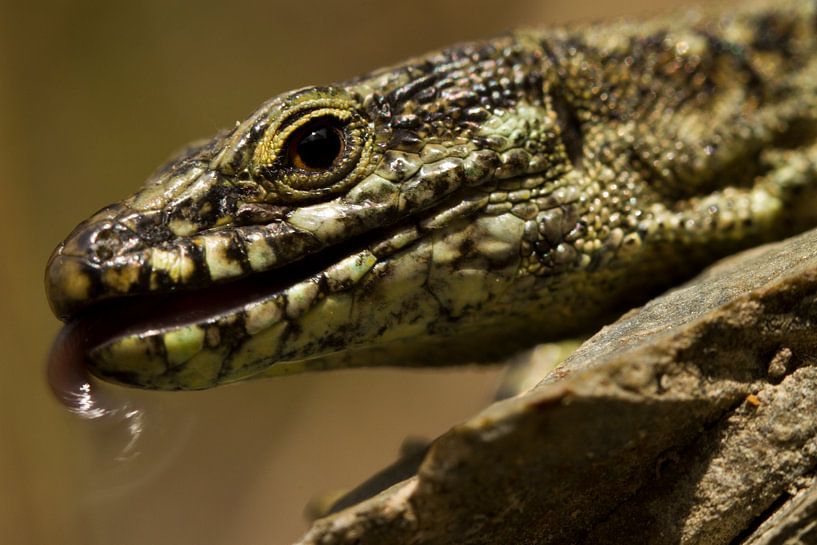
[127, 339]
[134, 315]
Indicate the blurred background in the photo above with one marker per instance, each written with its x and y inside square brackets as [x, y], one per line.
[93, 96]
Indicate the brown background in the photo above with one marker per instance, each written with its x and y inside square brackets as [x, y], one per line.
[94, 95]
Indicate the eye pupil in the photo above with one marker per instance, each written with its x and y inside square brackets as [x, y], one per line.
[317, 148]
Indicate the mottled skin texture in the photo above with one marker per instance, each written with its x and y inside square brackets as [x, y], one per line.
[487, 197]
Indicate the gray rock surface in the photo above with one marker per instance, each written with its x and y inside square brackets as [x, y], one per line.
[689, 421]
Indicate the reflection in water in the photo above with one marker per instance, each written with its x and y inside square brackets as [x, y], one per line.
[121, 417]
[69, 378]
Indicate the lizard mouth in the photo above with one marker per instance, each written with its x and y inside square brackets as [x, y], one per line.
[104, 323]
[135, 314]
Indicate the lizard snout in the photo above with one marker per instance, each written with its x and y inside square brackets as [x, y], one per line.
[101, 258]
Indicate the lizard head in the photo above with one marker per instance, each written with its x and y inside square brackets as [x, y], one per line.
[334, 226]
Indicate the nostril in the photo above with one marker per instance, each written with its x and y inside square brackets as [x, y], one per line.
[105, 243]
[103, 253]
[111, 240]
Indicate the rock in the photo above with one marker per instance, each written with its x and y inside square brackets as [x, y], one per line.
[691, 420]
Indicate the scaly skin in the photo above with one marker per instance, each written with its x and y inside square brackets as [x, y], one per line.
[486, 197]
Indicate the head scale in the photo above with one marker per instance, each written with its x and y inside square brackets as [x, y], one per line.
[333, 218]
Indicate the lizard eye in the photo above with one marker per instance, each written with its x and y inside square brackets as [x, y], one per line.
[320, 145]
[316, 146]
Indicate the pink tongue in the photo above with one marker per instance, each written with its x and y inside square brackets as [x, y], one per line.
[68, 375]
[119, 419]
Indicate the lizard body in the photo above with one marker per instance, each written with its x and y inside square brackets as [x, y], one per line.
[455, 207]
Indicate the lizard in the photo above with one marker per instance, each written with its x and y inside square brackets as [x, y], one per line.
[454, 208]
